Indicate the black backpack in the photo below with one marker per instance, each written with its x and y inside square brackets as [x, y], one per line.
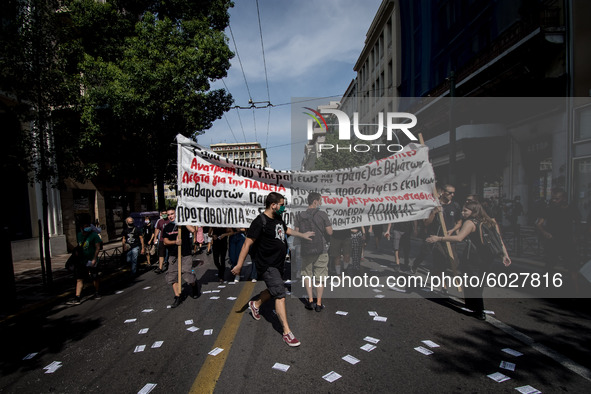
[253, 248]
[490, 239]
[316, 245]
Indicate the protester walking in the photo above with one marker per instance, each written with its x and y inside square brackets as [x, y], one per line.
[314, 252]
[219, 247]
[86, 261]
[148, 233]
[161, 249]
[267, 232]
[477, 257]
[235, 243]
[172, 242]
[132, 242]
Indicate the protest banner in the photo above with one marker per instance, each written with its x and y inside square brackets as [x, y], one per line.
[220, 192]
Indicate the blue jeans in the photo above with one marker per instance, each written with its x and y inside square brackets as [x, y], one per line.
[132, 258]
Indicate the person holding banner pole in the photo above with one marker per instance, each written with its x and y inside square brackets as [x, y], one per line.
[180, 248]
[477, 258]
[268, 233]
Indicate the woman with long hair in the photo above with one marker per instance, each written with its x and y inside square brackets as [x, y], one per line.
[476, 256]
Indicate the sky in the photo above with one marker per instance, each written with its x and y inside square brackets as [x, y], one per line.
[310, 48]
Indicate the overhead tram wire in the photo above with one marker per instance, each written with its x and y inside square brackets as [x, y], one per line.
[250, 100]
[238, 113]
[266, 75]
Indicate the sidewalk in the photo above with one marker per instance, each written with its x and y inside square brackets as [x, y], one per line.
[32, 294]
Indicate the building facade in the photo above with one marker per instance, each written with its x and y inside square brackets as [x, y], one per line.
[420, 56]
[247, 152]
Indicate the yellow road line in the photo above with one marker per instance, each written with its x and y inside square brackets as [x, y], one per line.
[213, 365]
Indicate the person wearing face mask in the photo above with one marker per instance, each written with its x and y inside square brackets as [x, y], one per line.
[267, 232]
[314, 253]
[131, 241]
[148, 233]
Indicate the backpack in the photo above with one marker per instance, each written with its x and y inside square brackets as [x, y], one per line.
[490, 239]
[316, 245]
[253, 248]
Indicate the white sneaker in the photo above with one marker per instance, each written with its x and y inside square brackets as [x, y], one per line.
[237, 278]
[254, 281]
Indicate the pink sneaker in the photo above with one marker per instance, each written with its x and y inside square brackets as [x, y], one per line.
[254, 311]
[290, 339]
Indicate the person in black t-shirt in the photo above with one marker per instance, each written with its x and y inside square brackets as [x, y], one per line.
[172, 242]
[269, 231]
[132, 240]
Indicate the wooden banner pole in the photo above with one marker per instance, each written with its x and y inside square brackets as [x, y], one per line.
[179, 263]
[454, 263]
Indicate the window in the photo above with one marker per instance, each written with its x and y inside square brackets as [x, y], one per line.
[583, 123]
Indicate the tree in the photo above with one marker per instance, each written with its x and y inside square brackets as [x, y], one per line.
[158, 88]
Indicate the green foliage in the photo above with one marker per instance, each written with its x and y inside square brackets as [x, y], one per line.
[110, 84]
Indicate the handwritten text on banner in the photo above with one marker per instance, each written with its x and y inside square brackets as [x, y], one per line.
[219, 192]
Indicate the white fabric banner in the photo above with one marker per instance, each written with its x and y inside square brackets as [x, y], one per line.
[219, 192]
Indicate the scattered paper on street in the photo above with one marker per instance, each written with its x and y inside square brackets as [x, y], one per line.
[527, 390]
[146, 288]
[342, 313]
[157, 344]
[148, 310]
[368, 347]
[512, 352]
[377, 290]
[30, 356]
[192, 328]
[371, 339]
[430, 343]
[350, 359]
[216, 351]
[143, 331]
[331, 376]
[215, 291]
[139, 348]
[380, 296]
[206, 292]
[221, 286]
[147, 388]
[119, 292]
[423, 350]
[507, 365]
[231, 298]
[380, 318]
[130, 320]
[498, 377]
[214, 298]
[373, 313]
[281, 367]
[54, 366]
[189, 322]
[489, 312]
[208, 332]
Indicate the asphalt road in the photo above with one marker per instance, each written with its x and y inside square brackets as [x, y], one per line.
[97, 349]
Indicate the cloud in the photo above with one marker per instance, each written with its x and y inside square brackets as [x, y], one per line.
[301, 37]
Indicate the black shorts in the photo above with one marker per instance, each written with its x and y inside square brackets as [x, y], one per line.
[274, 280]
[81, 271]
[161, 249]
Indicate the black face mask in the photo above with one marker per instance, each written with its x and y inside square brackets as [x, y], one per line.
[129, 224]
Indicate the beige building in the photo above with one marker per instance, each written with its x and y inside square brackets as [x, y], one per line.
[248, 152]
